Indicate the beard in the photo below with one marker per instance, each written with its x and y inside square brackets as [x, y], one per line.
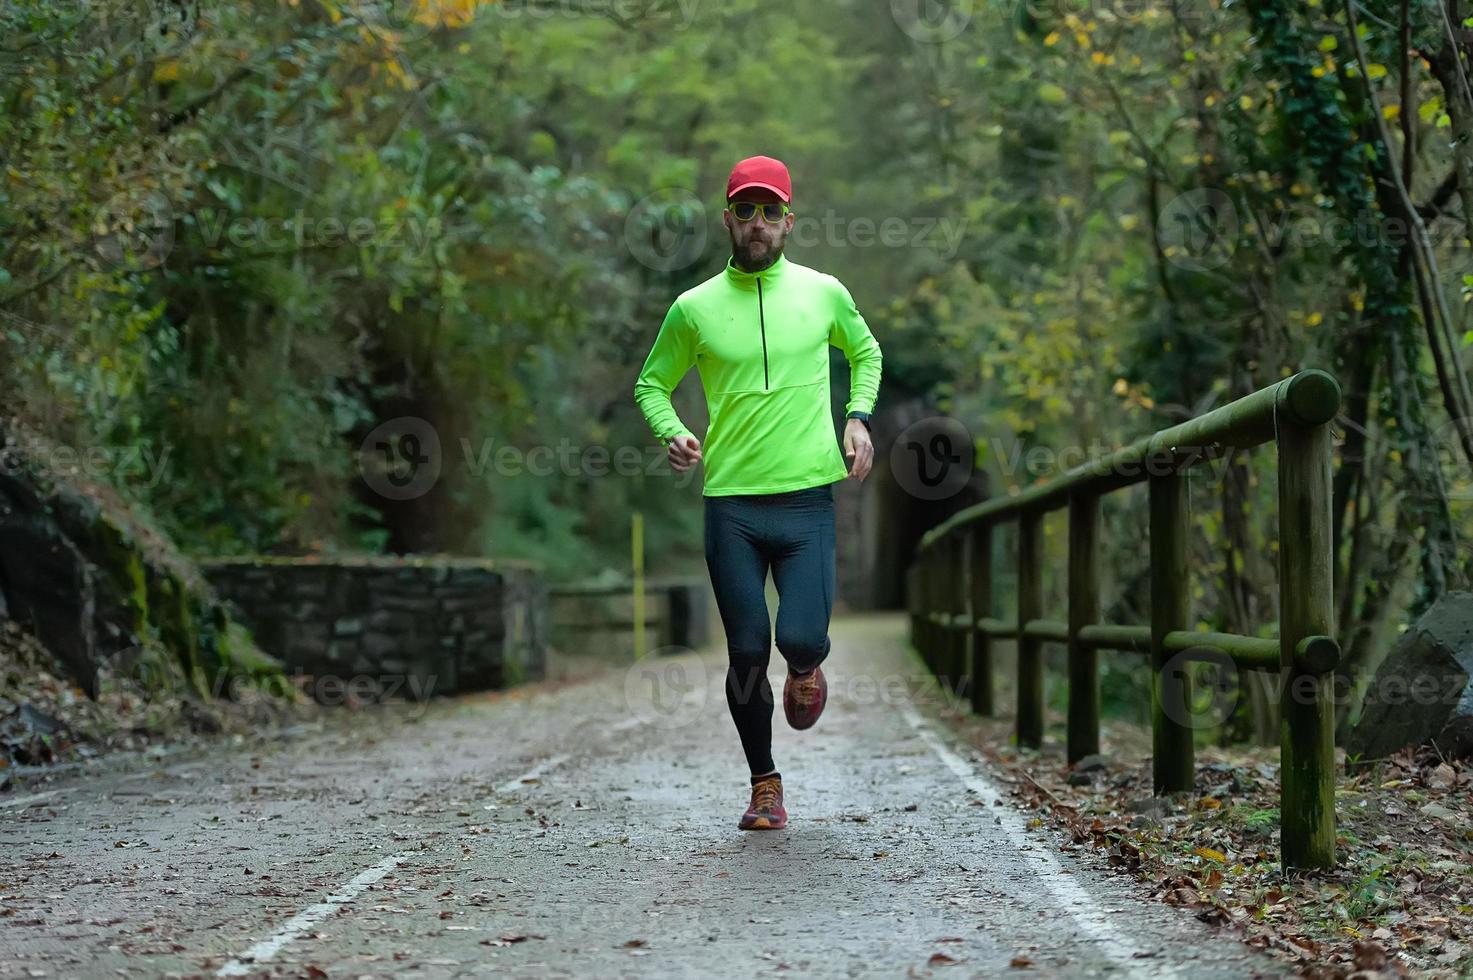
[743, 255]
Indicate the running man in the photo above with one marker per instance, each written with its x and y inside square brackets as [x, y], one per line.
[759, 332]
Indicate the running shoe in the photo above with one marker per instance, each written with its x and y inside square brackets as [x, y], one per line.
[766, 811]
[804, 696]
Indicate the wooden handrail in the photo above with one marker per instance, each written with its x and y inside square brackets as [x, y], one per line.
[1309, 398]
[1320, 654]
[952, 626]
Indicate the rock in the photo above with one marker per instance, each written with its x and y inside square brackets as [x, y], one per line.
[1156, 806]
[348, 626]
[1456, 738]
[203, 719]
[52, 589]
[38, 720]
[1081, 779]
[1443, 777]
[1424, 690]
[1092, 763]
[1439, 811]
[31, 736]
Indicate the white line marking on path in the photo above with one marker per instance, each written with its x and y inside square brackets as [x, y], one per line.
[1071, 896]
[27, 800]
[263, 951]
[512, 785]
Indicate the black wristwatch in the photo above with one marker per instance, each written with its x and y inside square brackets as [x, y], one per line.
[863, 417]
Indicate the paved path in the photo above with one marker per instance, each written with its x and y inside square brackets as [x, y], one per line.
[579, 830]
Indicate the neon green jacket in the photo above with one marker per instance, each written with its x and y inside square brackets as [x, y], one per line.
[760, 341]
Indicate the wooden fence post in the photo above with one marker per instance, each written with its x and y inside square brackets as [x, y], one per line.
[1084, 610]
[1030, 649]
[913, 602]
[1306, 608]
[1172, 752]
[980, 565]
[957, 596]
[943, 567]
[933, 605]
[963, 586]
[928, 606]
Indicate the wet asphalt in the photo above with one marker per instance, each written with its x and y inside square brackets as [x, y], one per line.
[579, 829]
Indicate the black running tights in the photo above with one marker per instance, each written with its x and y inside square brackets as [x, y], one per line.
[793, 534]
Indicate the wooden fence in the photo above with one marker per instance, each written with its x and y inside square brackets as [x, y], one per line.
[951, 599]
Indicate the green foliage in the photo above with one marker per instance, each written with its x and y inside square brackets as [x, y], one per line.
[254, 232]
[237, 237]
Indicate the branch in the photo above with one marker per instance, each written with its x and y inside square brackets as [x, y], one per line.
[1433, 208]
[1455, 389]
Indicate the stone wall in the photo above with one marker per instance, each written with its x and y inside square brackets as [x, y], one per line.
[598, 618]
[402, 628]
[105, 594]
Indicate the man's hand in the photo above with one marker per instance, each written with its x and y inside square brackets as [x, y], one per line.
[858, 449]
[683, 453]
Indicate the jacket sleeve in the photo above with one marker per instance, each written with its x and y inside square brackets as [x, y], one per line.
[672, 355]
[851, 335]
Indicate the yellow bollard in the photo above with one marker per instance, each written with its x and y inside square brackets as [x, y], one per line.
[636, 533]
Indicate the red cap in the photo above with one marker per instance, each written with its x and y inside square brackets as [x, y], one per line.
[760, 172]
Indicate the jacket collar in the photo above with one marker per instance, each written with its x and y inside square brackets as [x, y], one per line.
[748, 280]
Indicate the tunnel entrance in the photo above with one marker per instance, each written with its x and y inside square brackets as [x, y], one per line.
[881, 520]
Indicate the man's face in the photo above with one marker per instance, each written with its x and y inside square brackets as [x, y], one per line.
[756, 244]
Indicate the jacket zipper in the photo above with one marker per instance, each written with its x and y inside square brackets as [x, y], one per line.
[762, 320]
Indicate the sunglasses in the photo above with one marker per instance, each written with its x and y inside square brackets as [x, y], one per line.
[747, 210]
